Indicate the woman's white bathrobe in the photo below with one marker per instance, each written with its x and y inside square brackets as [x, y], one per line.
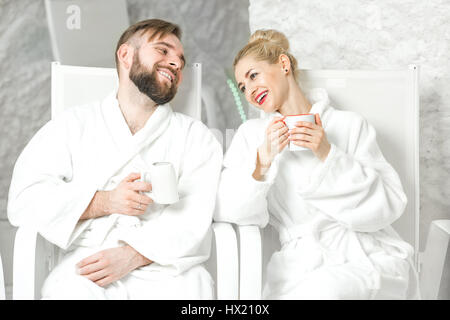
[90, 148]
[333, 217]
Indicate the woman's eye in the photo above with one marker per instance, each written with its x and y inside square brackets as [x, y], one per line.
[242, 89]
[253, 75]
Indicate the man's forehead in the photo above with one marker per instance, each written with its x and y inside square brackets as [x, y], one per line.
[153, 38]
[169, 40]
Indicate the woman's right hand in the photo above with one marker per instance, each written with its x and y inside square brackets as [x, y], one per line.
[275, 141]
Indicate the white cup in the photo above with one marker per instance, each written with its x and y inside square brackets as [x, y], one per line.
[290, 122]
[164, 183]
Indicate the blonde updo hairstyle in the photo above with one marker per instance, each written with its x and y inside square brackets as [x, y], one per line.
[267, 45]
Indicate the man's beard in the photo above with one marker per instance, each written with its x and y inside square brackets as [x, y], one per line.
[148, 84]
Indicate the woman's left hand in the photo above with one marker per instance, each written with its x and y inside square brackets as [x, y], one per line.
[311, 136]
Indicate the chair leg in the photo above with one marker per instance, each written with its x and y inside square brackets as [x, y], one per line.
[432, 260]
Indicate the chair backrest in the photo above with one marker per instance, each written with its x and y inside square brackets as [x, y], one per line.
[85, 32]
[74, 85]
[389, 100]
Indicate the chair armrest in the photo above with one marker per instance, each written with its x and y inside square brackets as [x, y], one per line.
[432, 260]
[227, 280]
[24, 263]
[250, 266]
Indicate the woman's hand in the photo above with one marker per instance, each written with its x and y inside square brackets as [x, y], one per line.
[275, 141]
[311, 136]
[107, 266]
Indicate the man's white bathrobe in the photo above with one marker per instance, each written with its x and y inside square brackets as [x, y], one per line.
[90, 148]
[333, 217]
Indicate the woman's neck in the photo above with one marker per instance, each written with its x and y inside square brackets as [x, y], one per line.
[296, 102]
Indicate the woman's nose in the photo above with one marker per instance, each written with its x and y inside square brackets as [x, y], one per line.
[252, 91]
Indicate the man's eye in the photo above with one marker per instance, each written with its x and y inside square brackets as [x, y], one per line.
[162, 50]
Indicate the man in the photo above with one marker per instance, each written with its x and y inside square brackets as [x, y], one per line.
[78, 183]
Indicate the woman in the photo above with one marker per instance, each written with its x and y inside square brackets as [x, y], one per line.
[332, 204]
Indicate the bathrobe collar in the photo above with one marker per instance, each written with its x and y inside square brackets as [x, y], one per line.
[319, 99]
[120, 132]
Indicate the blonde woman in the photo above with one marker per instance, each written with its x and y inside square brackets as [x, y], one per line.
[333, 204]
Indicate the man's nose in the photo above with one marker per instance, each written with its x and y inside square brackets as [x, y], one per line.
[175, 62]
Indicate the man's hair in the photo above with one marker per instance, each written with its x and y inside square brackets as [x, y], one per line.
[154, 28]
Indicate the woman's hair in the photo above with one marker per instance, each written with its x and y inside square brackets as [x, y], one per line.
[267, 45]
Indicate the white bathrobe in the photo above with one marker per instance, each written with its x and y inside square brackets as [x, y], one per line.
[90, 148]
[333, 217]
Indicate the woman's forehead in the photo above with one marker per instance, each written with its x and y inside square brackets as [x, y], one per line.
[246, 64]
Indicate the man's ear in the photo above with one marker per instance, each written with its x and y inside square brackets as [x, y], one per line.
[284, 62]
[125, 55]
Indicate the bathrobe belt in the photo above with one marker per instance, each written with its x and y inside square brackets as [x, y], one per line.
[311, 229]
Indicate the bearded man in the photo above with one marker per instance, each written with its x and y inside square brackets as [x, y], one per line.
[78, 182]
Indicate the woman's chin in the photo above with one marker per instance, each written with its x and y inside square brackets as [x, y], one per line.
[268, 109]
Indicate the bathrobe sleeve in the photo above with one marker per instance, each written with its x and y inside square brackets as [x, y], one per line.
[42, 193]
[180, 237]
[240, 198]
[358, 188]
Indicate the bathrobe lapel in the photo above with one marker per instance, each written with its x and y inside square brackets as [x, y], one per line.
[126, 146]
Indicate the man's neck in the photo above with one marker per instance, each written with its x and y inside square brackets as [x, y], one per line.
[136, 107]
